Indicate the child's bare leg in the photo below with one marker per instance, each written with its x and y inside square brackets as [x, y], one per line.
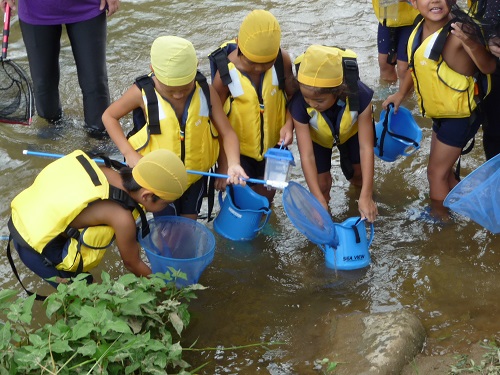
[325, 184]
[402, 69]
[440, 168]
[387, 71]
[357, 179]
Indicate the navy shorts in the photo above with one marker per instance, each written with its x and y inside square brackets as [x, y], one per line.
[456, 132]
[253, 168]
[45, 265]
[189, 203]
[399, 40]
[349, 155]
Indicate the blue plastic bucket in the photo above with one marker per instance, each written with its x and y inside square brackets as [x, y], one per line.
[477, 196]
[397, 134]
[352, 251]
[243, 213]
[180, 243]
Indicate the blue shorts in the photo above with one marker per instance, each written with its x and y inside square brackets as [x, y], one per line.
[456, 132]
[397, 41]
[189, 203]
[349, 155]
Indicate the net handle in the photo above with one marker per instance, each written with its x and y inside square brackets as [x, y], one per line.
[6, 30]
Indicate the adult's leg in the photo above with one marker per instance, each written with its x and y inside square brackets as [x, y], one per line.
[88, 43]
[43, 44]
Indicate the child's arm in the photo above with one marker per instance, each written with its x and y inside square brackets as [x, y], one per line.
[366, 204]
[481, 57]
[308, 161]
[404, 89]
[129, 101]
[230, 143]
[286, 132]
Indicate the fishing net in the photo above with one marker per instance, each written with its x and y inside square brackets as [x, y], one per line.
[308, 215]
[478, 196]
[16, 94]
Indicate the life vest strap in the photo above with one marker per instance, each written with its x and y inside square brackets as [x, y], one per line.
[146, 83]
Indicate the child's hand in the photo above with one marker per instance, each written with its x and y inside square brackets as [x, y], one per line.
[494, 45]
[462, 31]
[368, 209]
[286, 134]
[396, 99]
[236, 175]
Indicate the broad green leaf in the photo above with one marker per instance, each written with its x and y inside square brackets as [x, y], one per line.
[53, 306]
[176, 322]
[60, 346]
[82, 329]
[116, 326]
[5, 335]
[88, 349]
[6, 295]
[131, 368]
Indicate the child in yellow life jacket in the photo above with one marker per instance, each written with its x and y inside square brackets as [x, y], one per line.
[333, 108]
[65, 221]
[396, 18]
[254, 81]
[444, 58]
[182, 114]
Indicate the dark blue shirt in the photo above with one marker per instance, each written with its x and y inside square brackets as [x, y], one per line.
[298, 106]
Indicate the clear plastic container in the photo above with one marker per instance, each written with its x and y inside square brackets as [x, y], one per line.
[278, 163]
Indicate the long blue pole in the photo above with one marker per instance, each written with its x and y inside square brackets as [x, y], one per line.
[277, 184]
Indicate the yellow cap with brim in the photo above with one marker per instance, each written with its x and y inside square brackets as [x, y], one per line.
[173, 60]
[259, 36]
[163, 173]
[321, 66]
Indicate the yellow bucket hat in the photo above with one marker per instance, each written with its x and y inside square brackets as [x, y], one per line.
[259, 36]
[321, 66]
[173, 60]
[163, 173]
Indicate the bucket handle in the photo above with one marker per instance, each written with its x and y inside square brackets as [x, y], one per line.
[356, 232]
[406, 140]
[267, 212]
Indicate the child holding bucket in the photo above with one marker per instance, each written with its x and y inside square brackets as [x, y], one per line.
[63, 223]
[178, 111]
[446, 57]
[323, 117]
[254, 81]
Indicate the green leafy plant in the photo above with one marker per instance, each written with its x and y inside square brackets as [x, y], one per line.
[128, 326]
[490, 363]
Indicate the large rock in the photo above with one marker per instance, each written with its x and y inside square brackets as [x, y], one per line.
[381, 343]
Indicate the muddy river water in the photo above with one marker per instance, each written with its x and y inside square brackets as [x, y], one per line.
[277, 287]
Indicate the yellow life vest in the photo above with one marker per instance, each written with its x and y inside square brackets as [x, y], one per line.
[194, 140]
[442, 92]
[59, 193]
[328, 135]
[256, 118]
[400, 13]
